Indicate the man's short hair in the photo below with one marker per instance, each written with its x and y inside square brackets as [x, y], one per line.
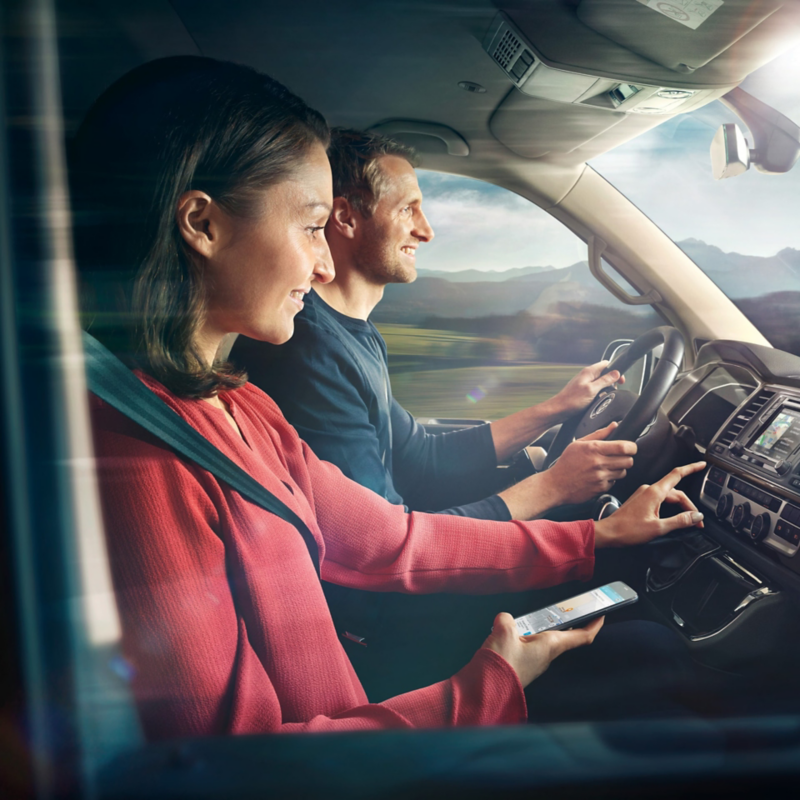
[357, 175]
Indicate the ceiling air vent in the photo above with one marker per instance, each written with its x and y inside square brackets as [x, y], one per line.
[506, 49]
[738, 423]
[509, 50]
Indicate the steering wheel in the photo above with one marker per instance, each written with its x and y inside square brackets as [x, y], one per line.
[633, 412]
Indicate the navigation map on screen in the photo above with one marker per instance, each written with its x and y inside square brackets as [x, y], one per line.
[780, 437]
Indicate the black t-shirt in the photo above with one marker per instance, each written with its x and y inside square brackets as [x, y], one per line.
[331, 381]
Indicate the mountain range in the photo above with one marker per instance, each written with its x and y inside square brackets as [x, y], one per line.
[475, 293]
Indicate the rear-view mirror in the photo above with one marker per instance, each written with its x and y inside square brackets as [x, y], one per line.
[730, 155]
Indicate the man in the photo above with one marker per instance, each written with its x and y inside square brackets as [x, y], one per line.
[331, 381]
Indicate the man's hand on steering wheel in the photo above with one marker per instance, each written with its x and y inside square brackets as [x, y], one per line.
[589, 466]
[582, 390]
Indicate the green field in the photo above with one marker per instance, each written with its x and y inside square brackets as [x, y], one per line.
[475, 392]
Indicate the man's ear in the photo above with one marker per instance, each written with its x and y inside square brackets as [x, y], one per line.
[199, 221]
[344, 218]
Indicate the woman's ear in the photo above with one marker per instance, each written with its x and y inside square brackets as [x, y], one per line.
[200, 222]
[343, 220]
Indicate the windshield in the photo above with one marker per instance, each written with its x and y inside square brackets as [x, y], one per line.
[741, 232]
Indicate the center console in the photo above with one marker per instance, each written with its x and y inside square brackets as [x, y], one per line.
[706, 586]
[754, 485]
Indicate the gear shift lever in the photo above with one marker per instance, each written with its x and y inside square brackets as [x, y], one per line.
[605, 506]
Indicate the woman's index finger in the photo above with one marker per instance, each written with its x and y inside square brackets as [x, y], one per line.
[675, 476]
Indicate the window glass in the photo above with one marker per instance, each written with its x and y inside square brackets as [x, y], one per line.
[504, 311]
[742, 232]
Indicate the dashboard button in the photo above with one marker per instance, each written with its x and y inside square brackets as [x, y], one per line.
[760, 527]
[792, 514]
[796, 483]
[741, 516]
[724, 506]
[787, 532]
[718, 476]
[783, 468]
[718, 448]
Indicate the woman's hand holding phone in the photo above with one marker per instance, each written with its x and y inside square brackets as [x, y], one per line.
[530, 656]
[637, 521]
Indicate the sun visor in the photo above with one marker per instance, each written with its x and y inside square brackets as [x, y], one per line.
[532, 127]
[681, 35]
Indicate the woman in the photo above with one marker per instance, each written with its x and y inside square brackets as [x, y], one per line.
[202, 189]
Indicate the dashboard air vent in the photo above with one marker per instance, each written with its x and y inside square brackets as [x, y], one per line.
[738, 423]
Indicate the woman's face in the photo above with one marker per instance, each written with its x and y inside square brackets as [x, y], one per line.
[260, 269]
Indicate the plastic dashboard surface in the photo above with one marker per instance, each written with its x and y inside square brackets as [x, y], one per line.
[741, 405]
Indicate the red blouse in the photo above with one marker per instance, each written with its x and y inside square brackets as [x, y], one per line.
[266, 657]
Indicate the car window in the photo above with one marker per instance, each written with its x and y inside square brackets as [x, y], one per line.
[504, 311]
[742, 232]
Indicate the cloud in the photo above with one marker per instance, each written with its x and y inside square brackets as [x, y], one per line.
[485, 227]
[667, 174]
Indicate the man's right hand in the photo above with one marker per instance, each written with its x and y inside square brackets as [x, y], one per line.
[531, 655]
[590, 466]
[587, 468]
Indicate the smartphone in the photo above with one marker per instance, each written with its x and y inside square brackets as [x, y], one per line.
[578, 610]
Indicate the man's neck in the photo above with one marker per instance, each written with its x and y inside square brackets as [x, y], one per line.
[350, 294]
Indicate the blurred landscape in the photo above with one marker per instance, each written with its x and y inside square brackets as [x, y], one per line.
[484, 344]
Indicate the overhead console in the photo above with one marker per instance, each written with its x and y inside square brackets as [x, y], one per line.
[602, 60]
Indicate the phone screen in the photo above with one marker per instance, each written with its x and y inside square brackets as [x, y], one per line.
[567, 611]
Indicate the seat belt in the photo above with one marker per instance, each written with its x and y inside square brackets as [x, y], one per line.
[110, 380]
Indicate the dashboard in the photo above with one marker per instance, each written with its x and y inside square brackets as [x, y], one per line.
[733, 589]
[740, 406]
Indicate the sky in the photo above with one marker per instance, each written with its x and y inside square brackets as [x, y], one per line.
[665, 172]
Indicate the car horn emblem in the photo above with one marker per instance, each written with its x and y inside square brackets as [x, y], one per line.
[602, 405]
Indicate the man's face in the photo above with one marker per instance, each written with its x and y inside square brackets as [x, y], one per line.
[390, 237]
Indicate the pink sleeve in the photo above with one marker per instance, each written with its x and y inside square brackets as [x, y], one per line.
[188, 653]
[372, 544]
[485, 692]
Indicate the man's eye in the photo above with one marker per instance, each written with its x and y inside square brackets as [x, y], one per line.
[314, 228]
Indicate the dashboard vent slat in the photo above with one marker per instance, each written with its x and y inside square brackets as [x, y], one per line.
[738, 423]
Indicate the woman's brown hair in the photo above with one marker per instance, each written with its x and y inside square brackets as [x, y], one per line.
[165, 128]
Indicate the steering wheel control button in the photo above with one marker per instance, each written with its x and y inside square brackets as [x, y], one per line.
[724, 506]
[759, 530]
[741, 516]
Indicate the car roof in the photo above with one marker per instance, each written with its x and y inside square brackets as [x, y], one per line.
[367, 63]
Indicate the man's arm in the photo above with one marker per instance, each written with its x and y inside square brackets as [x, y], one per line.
[516, 431]
[455, 471]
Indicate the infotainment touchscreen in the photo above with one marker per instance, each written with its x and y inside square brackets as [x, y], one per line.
[781, 435]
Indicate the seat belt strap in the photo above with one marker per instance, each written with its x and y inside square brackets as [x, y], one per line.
[110, 380]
